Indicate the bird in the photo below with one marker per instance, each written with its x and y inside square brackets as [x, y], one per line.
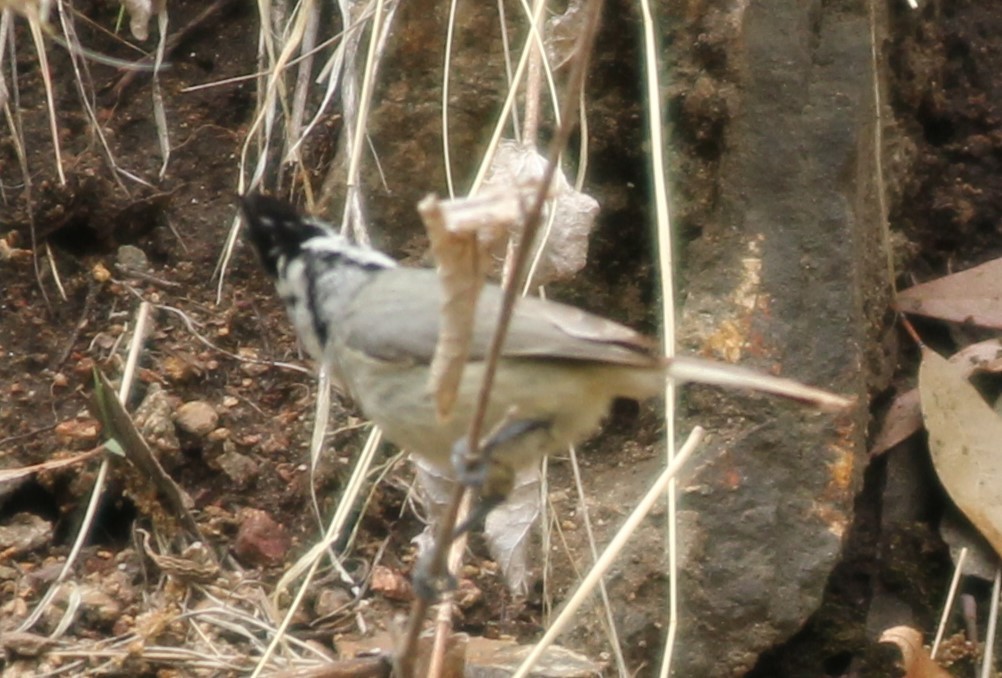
[376, 323]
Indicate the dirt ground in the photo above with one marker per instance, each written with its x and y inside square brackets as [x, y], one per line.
[64, 315]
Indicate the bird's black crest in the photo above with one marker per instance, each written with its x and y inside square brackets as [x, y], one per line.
[275, 228]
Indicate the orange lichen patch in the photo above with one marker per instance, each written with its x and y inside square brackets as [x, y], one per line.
[835, 521]
[840, 470]
[733, 337]
[728, 475]
[727, 341]
[732, 478]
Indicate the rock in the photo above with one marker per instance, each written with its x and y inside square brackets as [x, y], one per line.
[100, 272]
[153, 419]
[24, 644]
[24, 532]
[260, 540]
[392, 584]
[789, 274]
[180, 367]
[131, 258]
[197, 418]
[95, 604]
[78, 433]
[486, 658]
[99, 605]
[240, 468]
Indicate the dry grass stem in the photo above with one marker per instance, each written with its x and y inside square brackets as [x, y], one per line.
[608, 557]
[666, 266]
[958, 571]
[609, 622]
[307, 565]
[987, 663]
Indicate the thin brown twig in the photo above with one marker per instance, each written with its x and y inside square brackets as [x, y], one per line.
[129, 272]
[912, 332]
[407, 649]
[27, 434]
[78, 328]
[534, 219]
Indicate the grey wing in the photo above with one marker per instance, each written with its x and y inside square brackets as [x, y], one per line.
[548, 328]
[396, 317]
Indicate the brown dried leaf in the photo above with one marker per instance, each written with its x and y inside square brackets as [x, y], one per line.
[964, 433]
[972, 296]
[461, 233]
[915, 660]
[905, 414]
[903, 419]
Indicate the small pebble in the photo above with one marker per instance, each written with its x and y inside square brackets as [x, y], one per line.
[197, 418]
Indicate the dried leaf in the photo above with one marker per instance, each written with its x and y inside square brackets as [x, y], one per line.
[902, 420]
[508, 529]
[964, 435]
[118, 426]
[561, 34]
[915, 660]
[904, 417]
[561, 248]
[460, 233]
[985, 356]
[140, 12]
[971, 296]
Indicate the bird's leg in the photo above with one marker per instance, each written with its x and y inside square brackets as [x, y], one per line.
[429, 585]
[488, 471]
[494, 480]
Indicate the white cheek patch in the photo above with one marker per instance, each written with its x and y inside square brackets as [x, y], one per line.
[293, 288]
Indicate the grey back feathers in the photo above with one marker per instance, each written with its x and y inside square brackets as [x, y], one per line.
[332, 288]
[397, 317]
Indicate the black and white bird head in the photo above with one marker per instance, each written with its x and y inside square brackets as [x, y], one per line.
[280, 234]
[316, 270]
